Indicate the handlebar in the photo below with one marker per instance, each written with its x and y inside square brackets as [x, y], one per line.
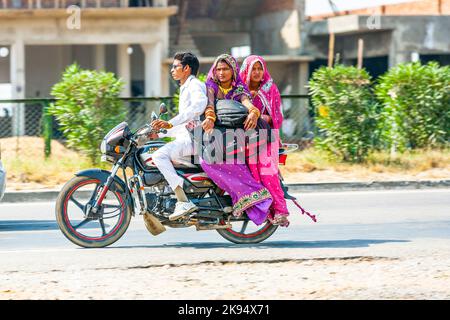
[289, 147]
[144, 130]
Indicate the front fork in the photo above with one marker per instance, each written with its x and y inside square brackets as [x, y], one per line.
[136, 187]
[101, 195]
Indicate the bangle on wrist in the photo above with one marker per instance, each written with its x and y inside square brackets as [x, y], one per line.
[209, 109]
[213, 119]
[255, 111]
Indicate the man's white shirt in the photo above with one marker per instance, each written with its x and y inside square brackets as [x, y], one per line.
[192, 105]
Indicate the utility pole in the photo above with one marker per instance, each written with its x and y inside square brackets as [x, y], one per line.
[331, 50]
[332, 37]
[360, 53]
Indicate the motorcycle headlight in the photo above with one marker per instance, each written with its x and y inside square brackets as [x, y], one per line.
[103, 147]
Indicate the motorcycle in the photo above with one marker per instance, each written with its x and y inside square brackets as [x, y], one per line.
[94, 209]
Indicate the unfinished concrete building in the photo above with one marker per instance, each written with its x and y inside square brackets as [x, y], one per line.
[392, 34]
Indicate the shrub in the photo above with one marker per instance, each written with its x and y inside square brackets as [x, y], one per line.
[346, 112]
[416, 106]
[87, 107]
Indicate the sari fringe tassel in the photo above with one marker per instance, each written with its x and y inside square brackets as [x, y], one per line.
[312, 216]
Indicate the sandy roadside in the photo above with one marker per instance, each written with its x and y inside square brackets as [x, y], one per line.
[387, 271]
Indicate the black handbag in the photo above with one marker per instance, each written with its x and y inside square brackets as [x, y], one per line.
[230, 114]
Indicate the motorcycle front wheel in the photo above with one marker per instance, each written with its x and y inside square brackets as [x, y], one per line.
[92, 231]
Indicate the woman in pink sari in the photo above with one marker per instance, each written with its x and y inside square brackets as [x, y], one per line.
[267, 99]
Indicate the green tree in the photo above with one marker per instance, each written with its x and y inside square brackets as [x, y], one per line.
[87, 107]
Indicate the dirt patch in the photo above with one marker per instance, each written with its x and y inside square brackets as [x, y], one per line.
[27, 168]
[359, 278]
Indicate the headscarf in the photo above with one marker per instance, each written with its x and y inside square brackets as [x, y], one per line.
[238, 86]
[268, 97]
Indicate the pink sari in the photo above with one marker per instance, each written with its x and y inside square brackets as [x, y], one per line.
[268, 101]
[247, 193]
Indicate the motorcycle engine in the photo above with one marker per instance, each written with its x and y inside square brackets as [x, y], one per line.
[168, 204]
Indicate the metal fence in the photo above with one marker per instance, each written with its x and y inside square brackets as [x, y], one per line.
[28, 117]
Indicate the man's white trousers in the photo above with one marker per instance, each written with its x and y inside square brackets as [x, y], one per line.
[181, 147]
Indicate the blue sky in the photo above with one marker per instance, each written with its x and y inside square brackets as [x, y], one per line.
[314, 7]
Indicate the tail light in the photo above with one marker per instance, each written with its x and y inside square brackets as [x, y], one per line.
[282, 159]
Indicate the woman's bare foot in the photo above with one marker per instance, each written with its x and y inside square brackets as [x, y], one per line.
[280, 220]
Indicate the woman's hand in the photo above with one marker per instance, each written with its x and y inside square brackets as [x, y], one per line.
[208, 125]
[253, 114]
[251, 121]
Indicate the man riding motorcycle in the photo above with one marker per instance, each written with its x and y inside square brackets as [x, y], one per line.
[192, 104]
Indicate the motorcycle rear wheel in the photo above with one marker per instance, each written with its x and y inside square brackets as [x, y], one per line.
[80, 234]
[241, 237]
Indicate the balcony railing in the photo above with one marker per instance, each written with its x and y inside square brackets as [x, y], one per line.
[62, 4]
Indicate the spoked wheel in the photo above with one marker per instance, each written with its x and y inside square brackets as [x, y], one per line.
[244, 231]
[87, 229]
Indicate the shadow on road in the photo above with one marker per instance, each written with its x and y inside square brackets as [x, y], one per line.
[35, 225]
[351, 243]
[28, 225]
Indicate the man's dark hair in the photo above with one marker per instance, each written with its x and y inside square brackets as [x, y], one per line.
[188, 59]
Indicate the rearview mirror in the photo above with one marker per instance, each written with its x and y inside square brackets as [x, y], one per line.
[162, 108]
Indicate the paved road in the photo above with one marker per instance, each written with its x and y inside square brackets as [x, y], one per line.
[397, 235]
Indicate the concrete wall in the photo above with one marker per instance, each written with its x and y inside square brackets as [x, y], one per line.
[417, 7]
[375, 45]
[212, 45]
[397, 37]
[45, 65]
[45, 33]
[423, 7]
[273, 27]
[93, 31]
[423, 34]
[278, 28]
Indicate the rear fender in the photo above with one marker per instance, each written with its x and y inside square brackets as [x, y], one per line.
[285, 191]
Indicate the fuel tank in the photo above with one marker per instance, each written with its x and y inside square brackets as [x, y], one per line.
[145, 155]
